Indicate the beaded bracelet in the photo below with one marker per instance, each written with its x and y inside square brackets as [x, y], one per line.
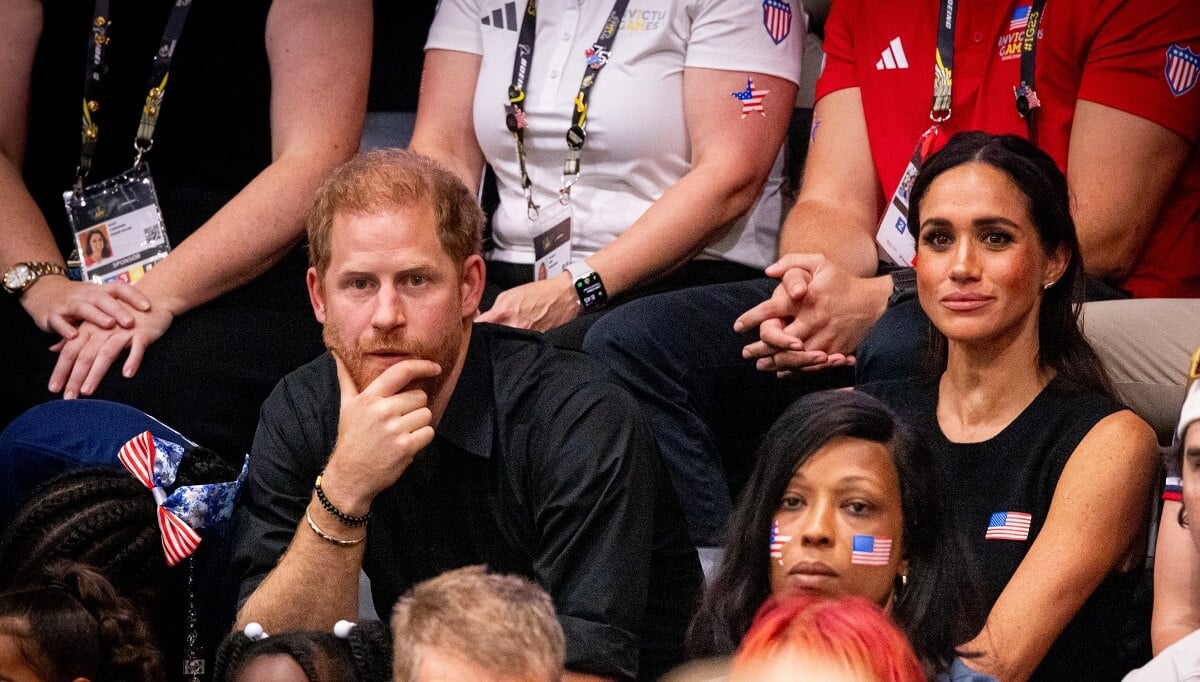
[341, 542]
[346, 519]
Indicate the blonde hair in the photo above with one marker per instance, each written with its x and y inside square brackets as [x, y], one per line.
[503, 623]
[393, 178]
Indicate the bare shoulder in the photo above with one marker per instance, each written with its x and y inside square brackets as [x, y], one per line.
[1120, 437]
[1125, 426]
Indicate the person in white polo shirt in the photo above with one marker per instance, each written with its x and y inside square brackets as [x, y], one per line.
[635, 143]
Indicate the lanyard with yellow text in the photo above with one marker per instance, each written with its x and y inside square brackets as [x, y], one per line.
[515, 119]
[117, 222]
[895, 244]
[95, 70]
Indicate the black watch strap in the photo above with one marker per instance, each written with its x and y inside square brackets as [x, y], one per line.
[904, 286]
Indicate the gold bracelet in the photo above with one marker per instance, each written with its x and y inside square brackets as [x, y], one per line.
[329, 538]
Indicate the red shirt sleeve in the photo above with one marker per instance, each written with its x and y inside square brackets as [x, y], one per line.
[1144, 56]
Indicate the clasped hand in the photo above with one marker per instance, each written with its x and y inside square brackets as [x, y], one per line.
[814, 319]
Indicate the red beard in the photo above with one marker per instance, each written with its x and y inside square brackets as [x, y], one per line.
[365, 367]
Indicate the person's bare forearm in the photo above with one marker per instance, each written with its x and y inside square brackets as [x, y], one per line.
[242, 240]
[1176, 582]
[26, 235]
[315, 583]
[843, 234]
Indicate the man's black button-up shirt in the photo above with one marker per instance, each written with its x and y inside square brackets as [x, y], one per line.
[540, 466]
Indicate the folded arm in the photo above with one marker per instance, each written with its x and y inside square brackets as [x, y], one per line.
[828, 295]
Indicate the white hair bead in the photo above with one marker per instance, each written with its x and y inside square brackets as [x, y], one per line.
[254, 631]
[342, 628]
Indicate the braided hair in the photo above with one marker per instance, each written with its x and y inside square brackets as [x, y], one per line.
[365, 655]
[70, 623]
[102, 517]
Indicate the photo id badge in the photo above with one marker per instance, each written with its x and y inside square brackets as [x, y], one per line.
[552, 243]
[894, 242]
[118, 227]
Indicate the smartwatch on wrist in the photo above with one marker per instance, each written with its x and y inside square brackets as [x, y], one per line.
[904, 286]
[588, 286]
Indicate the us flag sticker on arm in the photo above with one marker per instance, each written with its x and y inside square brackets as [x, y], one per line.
[1008, 526]
[751, 98]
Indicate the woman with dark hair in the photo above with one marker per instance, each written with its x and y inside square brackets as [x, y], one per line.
[69, 624]
[1046, 473]
[359, 652]
[835, 474]
[96, 248]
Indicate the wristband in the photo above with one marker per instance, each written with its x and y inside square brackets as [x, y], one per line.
[340, 542]
[346, 519]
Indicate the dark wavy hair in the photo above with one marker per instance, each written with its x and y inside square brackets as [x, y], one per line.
[1062, 346]
[934, 608]
[365, 655]
[69, 622]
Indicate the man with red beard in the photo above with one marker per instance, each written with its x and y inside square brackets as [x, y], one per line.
[423, 442]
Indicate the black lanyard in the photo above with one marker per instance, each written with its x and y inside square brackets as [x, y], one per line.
[943, 65]
[95, 71]
[515, 118]
[1027, 99]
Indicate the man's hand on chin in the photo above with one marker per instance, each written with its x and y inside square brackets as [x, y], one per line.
[380, 429]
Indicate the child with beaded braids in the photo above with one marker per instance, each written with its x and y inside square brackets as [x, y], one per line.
[69, 624]
[107, 518]
[351, 653]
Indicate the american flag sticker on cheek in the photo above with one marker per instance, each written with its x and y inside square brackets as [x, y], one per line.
[868, 550]
[777, 542]
[1008, 526]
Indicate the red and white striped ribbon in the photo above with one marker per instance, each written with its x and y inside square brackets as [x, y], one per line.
[179, 540]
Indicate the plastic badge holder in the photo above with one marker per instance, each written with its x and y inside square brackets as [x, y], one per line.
[118, 227]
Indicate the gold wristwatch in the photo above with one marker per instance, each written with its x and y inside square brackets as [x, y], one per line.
[21, 276]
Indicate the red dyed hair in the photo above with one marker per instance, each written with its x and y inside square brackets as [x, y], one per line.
[849, 633]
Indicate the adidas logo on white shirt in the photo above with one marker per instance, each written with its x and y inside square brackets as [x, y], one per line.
[505, 18]
[893, 57]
